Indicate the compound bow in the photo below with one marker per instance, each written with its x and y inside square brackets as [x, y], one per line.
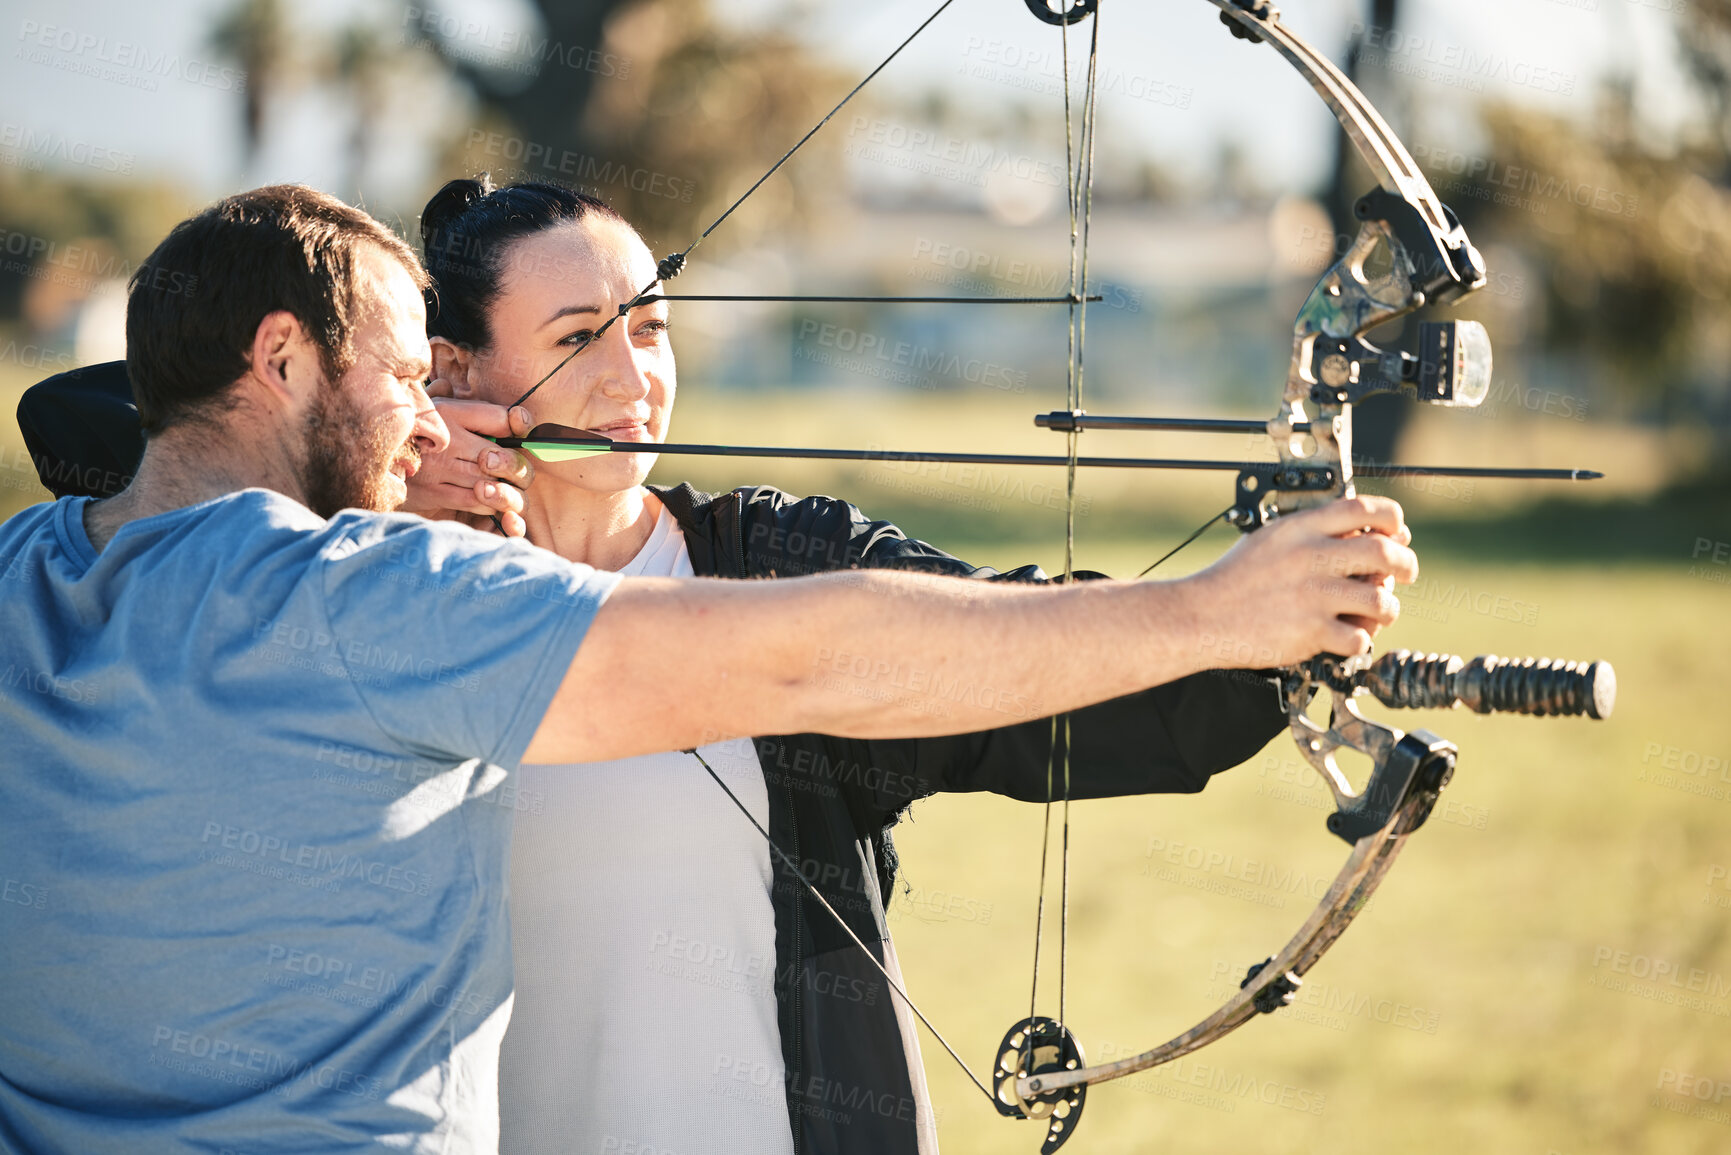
[1427, 259]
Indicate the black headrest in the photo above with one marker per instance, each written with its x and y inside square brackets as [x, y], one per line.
[81, 428]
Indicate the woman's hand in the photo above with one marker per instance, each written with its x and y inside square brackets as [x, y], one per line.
[475, 481]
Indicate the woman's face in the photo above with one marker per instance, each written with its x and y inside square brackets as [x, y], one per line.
[556, 288]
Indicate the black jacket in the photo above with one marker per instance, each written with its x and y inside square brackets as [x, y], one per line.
[855, 1085]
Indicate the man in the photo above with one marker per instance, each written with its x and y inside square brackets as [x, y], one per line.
[220, 933]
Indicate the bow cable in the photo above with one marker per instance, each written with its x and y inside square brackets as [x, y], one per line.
[792, 866]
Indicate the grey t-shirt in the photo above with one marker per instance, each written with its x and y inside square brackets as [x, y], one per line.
[255, 796]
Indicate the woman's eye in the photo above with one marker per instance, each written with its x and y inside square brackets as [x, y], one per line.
[579, 338]
[653, 328]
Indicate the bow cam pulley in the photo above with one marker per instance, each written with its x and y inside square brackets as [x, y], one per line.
[1063, 13]
[1035, 1047]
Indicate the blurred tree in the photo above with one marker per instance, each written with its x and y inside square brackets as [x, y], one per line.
[362, 63]
[254, 33]
[549, 108]
[1704, 41]
[655, 107]
[1632, 247]
[82, 233]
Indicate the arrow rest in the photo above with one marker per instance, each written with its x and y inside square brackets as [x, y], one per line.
[1031, 1048]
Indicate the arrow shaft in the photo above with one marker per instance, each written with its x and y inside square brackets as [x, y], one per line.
[976, 300]
[1174, 463]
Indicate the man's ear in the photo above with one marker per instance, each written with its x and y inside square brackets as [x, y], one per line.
[282, 362]
[454, 371]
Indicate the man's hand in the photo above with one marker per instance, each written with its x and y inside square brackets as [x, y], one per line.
[1316, 582]
[473, 476]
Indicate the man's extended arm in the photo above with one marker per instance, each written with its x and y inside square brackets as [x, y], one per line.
[667, 664]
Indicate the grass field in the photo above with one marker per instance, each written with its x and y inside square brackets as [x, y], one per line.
[1548, 970]
[1473, 1006]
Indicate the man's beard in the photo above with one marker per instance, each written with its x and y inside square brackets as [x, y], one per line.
[349, 458]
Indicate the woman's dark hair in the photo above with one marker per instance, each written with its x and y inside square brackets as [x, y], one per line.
[194, 305]
[466, 230]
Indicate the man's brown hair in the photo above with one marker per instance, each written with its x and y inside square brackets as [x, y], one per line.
[194, 305]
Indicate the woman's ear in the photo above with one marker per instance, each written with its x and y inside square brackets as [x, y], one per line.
[454, 370]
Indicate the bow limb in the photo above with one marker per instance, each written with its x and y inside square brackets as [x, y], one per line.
[1389, 162]
[1396, 801]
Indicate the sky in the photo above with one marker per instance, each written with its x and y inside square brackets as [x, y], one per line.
[134, 87]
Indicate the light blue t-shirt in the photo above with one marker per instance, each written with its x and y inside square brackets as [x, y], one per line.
[255, 794]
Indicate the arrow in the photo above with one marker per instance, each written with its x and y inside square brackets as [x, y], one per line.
[552, 442]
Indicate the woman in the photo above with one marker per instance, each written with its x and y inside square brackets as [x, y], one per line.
[677, 990]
